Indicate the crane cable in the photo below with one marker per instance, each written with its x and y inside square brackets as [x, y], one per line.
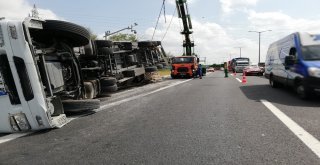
[155, 28]
[174, 13]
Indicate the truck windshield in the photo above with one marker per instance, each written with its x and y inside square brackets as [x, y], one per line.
[177, 60]
[310, 53]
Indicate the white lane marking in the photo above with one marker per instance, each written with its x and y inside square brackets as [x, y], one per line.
[238, 79]
[109, 105]
[13, 136]
[302, 134]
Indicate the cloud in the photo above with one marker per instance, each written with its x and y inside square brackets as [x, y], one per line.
[282, 23]
[212, 40]
[19, 9]
[228, 6]
[281, 26]
[217, 42]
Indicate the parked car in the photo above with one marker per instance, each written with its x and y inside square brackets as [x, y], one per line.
[253, 70]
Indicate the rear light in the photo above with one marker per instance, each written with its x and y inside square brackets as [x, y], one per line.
[192, 67]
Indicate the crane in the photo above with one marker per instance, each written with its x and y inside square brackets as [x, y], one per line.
[183, 13]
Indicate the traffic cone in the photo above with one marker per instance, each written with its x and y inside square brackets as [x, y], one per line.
[244, 78]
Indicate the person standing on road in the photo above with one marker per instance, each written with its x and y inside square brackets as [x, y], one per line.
[200, 71]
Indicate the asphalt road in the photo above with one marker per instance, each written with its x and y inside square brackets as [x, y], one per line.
[215, 120]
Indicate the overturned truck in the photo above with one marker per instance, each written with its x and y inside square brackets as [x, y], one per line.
[42, 75]
[49, 67]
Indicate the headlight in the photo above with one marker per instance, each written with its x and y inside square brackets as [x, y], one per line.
[19, 122]
[314, 72]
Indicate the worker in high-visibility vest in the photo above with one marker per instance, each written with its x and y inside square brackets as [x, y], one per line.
[200, 71]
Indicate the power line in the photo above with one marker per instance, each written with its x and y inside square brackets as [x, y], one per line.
[174, 13]
[155, 28]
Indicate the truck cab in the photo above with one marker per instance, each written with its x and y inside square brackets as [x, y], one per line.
[184, 66]
[40, 71]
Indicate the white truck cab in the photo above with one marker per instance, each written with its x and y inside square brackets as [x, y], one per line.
[38, 71]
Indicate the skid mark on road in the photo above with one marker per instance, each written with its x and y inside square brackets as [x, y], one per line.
[302, 134]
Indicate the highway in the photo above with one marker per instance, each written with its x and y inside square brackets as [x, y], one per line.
[214, 120]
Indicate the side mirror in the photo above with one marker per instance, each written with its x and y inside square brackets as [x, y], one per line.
[289, 61]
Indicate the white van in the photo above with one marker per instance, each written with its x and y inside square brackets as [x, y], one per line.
[295, 61]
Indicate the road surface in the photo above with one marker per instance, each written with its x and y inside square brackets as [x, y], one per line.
[215, 120]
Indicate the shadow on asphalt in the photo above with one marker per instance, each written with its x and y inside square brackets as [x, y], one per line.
[285, 96]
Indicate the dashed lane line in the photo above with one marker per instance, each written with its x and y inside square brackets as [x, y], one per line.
[310, 141]
[238, 79]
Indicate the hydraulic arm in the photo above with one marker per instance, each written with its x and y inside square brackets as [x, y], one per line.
[183, 13]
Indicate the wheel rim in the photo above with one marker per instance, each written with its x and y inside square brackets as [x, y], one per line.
[301, 91]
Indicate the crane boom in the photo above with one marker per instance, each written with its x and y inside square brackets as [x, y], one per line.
[183, 13]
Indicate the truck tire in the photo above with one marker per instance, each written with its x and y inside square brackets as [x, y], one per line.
[159, 66]
[103, 43]
[73, 34]
[105, 50]
[80, 105]
[164, 64]
[145, 44]
[108, 81]
[151, 69]
[108, 89]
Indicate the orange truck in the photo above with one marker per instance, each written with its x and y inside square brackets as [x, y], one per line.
[184, 66]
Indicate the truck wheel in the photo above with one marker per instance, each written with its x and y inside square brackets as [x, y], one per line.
[109, 89]
[145, 44]
[273, 83]
[105, 50]
[159, 66]
[80, 105]
[108, 81]
[103, 43]
[73, 34]
[89, 90]
[164, 64]
[151, 69]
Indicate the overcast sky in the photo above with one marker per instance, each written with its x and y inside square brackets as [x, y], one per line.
[219, 25]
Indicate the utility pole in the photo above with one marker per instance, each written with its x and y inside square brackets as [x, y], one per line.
[108, 33]
[240, 50]
[259, 32]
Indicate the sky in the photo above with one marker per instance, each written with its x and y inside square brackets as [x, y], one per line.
[220, 27]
